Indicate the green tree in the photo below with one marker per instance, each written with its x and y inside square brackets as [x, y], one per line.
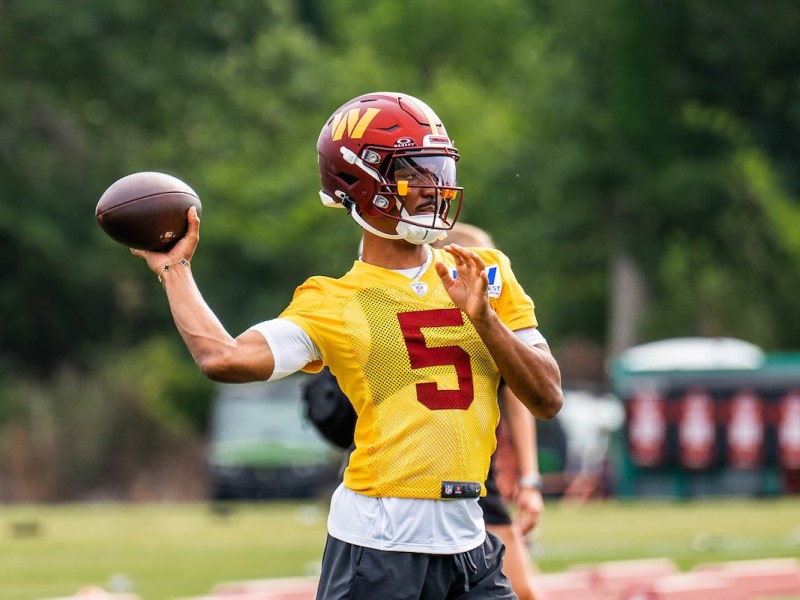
[656, 140]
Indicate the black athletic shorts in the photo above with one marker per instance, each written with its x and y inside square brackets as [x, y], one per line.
[493, 505]
[356, 573]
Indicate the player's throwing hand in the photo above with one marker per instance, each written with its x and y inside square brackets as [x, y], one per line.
[183, 250]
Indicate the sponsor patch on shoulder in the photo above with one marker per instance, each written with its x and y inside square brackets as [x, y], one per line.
[495, 283]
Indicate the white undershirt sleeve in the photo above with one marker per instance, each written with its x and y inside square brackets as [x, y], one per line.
[292, 348]
[531, 336]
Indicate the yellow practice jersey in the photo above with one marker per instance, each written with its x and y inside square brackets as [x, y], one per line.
[417, 373]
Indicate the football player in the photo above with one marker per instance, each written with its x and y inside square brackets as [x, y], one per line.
[418, 338]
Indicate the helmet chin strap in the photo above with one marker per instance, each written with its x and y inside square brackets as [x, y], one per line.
[410, 232]
[419, 234]
[366, 226]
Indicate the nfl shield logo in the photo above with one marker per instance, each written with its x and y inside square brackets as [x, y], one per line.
[448, 489]
[420, 288]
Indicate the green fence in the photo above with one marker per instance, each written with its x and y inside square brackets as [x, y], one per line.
[710, 431]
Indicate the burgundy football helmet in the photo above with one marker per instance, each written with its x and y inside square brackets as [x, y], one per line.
[377, 148]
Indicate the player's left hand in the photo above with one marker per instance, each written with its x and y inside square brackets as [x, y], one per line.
[468, 290]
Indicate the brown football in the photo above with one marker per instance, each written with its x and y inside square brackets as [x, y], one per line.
[146, 210]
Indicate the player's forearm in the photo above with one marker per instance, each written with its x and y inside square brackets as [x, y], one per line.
[531, 373]
[211, 346]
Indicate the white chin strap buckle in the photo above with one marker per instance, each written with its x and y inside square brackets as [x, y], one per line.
[418, 233]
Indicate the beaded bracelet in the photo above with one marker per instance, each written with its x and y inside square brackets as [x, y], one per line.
[167, 267]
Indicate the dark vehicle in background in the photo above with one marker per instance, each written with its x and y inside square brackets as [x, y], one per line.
[262, 446]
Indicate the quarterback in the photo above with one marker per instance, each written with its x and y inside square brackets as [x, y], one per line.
[417, 337]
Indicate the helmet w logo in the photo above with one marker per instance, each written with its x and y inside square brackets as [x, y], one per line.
[352, 122]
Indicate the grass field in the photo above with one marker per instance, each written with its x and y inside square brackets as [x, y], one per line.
[162, 552]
